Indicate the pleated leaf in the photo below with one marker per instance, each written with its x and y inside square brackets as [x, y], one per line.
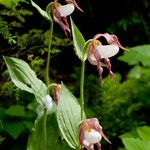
[25, 78]
[68, 116]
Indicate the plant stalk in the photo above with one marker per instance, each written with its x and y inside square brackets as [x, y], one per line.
[44, 129]
[48, 54]
[47, 83]
[82, 88]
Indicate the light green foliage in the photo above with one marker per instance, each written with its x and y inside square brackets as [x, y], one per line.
[139, 142]
[11, 3]
[136, 55]
[68, 116]
[25, 78]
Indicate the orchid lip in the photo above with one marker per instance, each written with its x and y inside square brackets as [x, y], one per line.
[93, 136]
[66, 10]
[107, 51]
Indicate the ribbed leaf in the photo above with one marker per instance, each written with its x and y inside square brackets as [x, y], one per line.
[78, 40]
[68, 116]
[25, 78]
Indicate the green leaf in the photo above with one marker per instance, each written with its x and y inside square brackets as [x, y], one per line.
[16, 111]
[10, 3]
[14, 129]
[42, 12]
[134, 144]
[68, 116]
[144, 133]
[53, 135]
[135, 72]
[136, 55]
[25, 78]
[78, 40]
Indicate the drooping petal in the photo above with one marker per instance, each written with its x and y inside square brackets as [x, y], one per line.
[91, 56]
[98, 146]
[107, 51]
[116, 41]
[66, 10]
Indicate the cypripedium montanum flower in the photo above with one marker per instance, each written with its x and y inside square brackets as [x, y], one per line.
[90, 134]
[99, 54]
[60, 13]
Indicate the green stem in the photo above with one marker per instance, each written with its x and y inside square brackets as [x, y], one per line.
[44, 129]
[82, 88]
[48, 54]
[47, 83]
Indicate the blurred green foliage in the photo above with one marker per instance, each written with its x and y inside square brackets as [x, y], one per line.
[137, 139]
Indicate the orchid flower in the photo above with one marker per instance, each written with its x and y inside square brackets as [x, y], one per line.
[60, 13]
[99, 54]
[90, 134]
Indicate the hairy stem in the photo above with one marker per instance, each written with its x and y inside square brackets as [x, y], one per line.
[82, 88]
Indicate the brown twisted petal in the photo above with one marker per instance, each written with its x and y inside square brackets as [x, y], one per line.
[62, 21]
[91, 56]
[111, 39]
